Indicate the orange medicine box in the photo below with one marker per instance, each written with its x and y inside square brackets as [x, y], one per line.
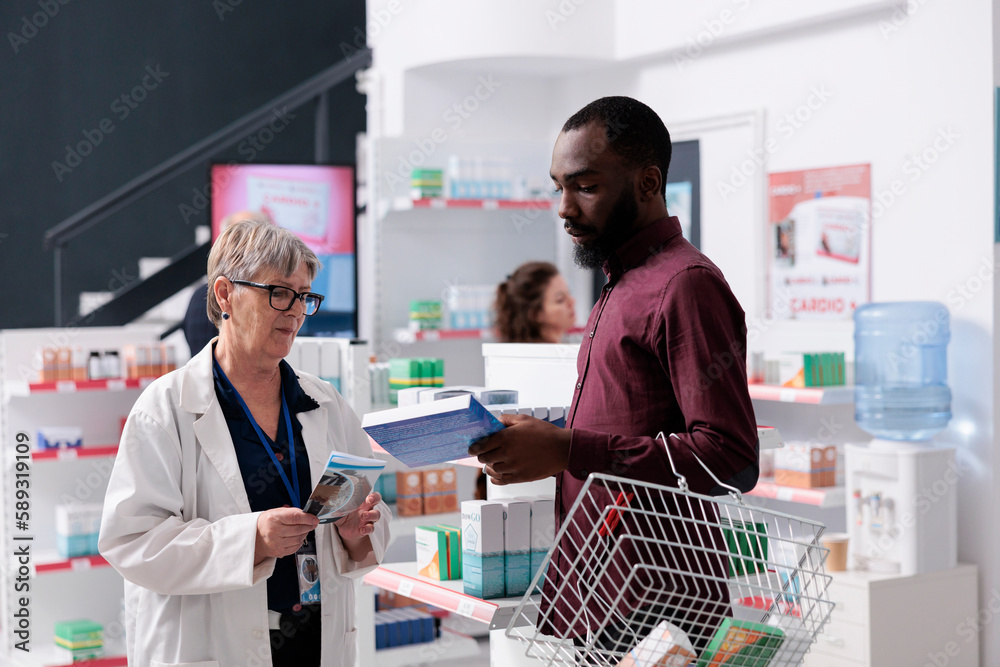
[440, 491]
[409, 493]
[800, 464]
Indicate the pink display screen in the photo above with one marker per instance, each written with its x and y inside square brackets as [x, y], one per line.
[316, 202]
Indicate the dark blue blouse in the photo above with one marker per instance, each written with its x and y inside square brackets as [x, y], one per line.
[264, 487]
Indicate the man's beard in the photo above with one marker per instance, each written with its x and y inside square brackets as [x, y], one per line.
[619, 228]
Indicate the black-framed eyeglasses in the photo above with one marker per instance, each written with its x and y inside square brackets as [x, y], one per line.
[282, 298]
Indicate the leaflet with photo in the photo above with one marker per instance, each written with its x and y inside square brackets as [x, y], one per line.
[346, 482]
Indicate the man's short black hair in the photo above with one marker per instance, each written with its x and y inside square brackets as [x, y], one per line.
[634, 132]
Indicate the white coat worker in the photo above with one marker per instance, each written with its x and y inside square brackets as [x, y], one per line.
[201, 516]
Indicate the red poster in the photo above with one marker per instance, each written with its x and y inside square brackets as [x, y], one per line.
[819, 242]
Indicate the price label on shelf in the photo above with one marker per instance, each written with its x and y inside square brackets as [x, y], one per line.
[466, 607]
[78, 564]
[65, 386]
[490, 205]
[405, 588]
[784, 493]
[787, 395]
[438, 203]
[145, 382]
[116, 385]
[66, 454]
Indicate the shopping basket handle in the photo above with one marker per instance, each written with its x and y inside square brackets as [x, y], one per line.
[682, 483]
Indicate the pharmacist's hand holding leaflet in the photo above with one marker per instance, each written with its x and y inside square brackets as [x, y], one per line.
[344, 487]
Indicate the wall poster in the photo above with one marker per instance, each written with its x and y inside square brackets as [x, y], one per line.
[819, 242]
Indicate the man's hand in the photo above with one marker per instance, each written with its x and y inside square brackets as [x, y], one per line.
[281, 531]
[528, 449]
[355, 528]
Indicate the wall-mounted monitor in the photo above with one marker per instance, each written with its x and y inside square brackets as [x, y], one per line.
[316, 202]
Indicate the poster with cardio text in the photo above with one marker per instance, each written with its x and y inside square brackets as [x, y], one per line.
[819, 242]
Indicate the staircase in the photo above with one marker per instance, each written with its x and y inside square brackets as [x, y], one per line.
[165, 283]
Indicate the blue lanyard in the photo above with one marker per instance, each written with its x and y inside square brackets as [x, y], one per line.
[293, 488]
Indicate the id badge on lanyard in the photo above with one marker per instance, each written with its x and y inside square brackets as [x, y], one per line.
[307, 566]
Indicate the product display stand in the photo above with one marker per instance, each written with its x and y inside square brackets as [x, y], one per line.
[58, 588]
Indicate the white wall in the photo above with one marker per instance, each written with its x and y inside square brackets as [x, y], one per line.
[886, 87]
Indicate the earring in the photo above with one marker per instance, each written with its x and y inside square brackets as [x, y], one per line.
[225, 316]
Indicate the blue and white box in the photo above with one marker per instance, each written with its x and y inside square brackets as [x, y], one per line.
[77, 528]
[516, 546]
[482, 548]
[59, 437]
[543, 531]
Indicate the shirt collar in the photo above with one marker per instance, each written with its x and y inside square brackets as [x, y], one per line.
[637, 249]
[296, 398]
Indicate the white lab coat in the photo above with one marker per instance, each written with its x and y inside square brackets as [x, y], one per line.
[177, 525]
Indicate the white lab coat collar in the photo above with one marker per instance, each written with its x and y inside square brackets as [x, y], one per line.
[197, 396]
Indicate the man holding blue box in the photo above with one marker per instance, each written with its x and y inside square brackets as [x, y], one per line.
[664, 350]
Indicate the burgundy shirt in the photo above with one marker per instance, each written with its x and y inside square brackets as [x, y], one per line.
[664, 350]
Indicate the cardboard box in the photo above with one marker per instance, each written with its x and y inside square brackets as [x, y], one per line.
[742, 643]
[666, 646]
[440, 491]
[516, 546]
[482, 548]
[432, 552]
[454, 550]
[409, 493]
[800, 464]
[543, 532]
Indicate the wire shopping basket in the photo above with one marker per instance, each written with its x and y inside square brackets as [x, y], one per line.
[643, 574]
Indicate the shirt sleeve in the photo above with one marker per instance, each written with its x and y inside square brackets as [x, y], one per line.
[700, 341]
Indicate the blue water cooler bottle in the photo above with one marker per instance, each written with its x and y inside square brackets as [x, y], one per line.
[901, 487]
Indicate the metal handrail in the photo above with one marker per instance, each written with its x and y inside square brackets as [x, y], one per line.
[85, 218]
[57, 237]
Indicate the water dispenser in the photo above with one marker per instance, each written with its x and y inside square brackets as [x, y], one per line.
[901, 511]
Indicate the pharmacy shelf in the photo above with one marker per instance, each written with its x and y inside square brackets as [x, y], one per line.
[843, 395]
[450, 646]
[825, 497]
[406, 524]
[73, 386]
[406, 336]
[46, 656]
[73, 453]
[51, 562]
[402, 578]
[483, 204]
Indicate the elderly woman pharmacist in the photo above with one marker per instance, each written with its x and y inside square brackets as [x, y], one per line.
[201, 516]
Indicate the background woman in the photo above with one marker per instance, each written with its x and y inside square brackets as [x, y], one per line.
[534, 305]
[202, 513]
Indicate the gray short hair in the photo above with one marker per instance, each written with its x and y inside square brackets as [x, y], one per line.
[247, 249]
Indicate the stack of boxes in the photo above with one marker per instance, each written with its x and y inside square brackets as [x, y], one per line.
[811, 369]
[80, 639]
[439, 552]
[77, 529]
[425, 315]
[403, 627]
[426, 491]
[805, 465]
[414, 372]
[504, 544]
[426, 183]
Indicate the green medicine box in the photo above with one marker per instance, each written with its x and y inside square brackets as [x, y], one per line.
[79, 634]
[747, 544]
